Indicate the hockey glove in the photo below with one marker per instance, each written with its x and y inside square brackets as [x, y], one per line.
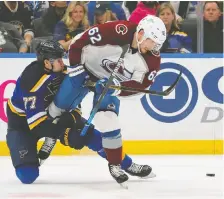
[68, 119]
[72, 138]
[100, 85]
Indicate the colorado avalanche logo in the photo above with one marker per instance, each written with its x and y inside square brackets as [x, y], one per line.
[122, 75]
[121, 29]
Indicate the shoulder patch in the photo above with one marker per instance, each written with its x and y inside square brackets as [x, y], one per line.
[121, 29]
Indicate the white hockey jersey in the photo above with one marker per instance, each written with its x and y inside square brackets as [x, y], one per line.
[100, 47]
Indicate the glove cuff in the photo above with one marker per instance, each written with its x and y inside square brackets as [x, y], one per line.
[64, 137]
[76, 115]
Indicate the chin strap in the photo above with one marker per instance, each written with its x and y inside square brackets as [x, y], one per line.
[139, 42]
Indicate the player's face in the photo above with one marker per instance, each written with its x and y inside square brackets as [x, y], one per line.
[147, 45]
[58, 65]
[77, 14]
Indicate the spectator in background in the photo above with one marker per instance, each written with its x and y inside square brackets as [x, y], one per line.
[45, 25]
[213, 28]
[129, 7]
[10, 39]
[16, 13]
[37, 7]
[143, 8]
[103, 14]
[74, 22]
[177, 41]
[114, 7]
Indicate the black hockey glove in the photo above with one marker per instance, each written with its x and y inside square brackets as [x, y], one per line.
[72, 138]
[68, 119]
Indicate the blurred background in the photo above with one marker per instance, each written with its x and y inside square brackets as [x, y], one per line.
[192, 26]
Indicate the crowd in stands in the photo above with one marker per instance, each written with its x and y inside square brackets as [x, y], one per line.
[23, 24]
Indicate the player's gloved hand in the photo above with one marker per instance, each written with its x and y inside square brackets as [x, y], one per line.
[72, 138]
[68, 119]
[100, 85]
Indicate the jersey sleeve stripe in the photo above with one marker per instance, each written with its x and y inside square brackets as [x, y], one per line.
[15, 109]
[31, 126]
[36, 117]
[40, 83]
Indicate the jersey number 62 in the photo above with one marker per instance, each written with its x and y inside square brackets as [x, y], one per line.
[94, 35]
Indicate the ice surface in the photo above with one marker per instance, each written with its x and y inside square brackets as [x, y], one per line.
[87, 177]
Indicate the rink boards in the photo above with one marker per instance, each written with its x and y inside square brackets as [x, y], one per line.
[188, 121]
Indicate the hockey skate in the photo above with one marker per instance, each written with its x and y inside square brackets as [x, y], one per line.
[46, 149]
[141, 171]
[118, 174]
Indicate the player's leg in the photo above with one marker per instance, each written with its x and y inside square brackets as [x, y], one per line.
[71, 91]
[94, 142]
[143, 171]
[23, 151]
[106, 121]
[68, 97]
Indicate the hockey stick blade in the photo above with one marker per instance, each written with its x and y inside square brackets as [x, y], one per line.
[137, 90]
[109, 82]
[172, 87]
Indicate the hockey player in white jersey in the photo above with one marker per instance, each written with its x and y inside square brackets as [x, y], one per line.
[93, 56]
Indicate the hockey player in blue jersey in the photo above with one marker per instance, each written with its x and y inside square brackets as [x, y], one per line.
[29, 119]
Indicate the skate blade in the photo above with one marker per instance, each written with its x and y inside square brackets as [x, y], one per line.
[124, 185]
[151, 175]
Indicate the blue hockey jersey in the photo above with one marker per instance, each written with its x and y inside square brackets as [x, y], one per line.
[34, 91]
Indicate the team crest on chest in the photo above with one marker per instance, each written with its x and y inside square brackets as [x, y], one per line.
[121, 29]
[122, 75]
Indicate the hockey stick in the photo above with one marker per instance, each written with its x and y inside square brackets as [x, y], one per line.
[137, 90]
[109, 82]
